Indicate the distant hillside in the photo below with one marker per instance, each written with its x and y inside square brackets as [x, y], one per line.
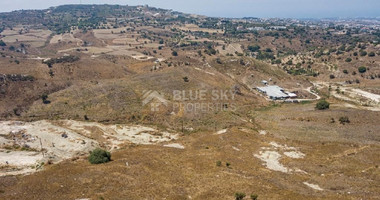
[62, 18]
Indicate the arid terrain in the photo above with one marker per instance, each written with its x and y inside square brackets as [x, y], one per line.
[185, 105]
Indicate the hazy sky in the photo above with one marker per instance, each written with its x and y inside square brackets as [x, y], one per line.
[231, 8]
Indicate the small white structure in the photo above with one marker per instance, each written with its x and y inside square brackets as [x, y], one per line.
[275, 92]
[291, 94]
[264, 82]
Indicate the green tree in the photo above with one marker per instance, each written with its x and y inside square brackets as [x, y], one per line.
[44, 98]
[322, 105]
[363, 53]
[362, 69]
[2, 43]
[99, 156]
[253, 48]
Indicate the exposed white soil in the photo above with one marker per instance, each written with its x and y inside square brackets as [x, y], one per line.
[283, 147]
[235, 148]
[294, 154]
[175, 145]
[262, 132]
[368, 95]
[272, 155]
[67, 37]
[20, 158]
[364, 99]
[221, 131]
[210, 73]
[119, 134]
[272, 161]
[313, 186]
[25, 145]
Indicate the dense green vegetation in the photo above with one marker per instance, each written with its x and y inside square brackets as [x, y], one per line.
[322, 105]
[64, 59]
[99, 156]
[362, 69]
[2, 43]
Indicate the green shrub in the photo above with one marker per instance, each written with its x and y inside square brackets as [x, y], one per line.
[371, 54]
[253, 48]
[99, 156]
[218, 163]
[174, 53]
[362, 69]
[44, 98]
[322, 105]
[348, 59]
[239, 195]
[2, 43]
[254, 196]
[344, 120]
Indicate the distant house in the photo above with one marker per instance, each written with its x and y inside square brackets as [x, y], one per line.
[275, 92]
[255, 29]
[278, 27]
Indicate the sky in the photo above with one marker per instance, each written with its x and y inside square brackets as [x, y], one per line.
[231, 8]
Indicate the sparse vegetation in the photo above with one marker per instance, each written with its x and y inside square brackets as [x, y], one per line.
[239, 195]
[344, 120]
[254, 196]
[123, 57]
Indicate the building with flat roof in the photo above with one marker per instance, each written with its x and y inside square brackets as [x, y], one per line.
[275, 92]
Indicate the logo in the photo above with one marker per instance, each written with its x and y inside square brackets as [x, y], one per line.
[155, 99]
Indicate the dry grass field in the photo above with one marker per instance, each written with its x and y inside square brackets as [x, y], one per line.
[124, 80]
[36, 38]
[193, 173]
